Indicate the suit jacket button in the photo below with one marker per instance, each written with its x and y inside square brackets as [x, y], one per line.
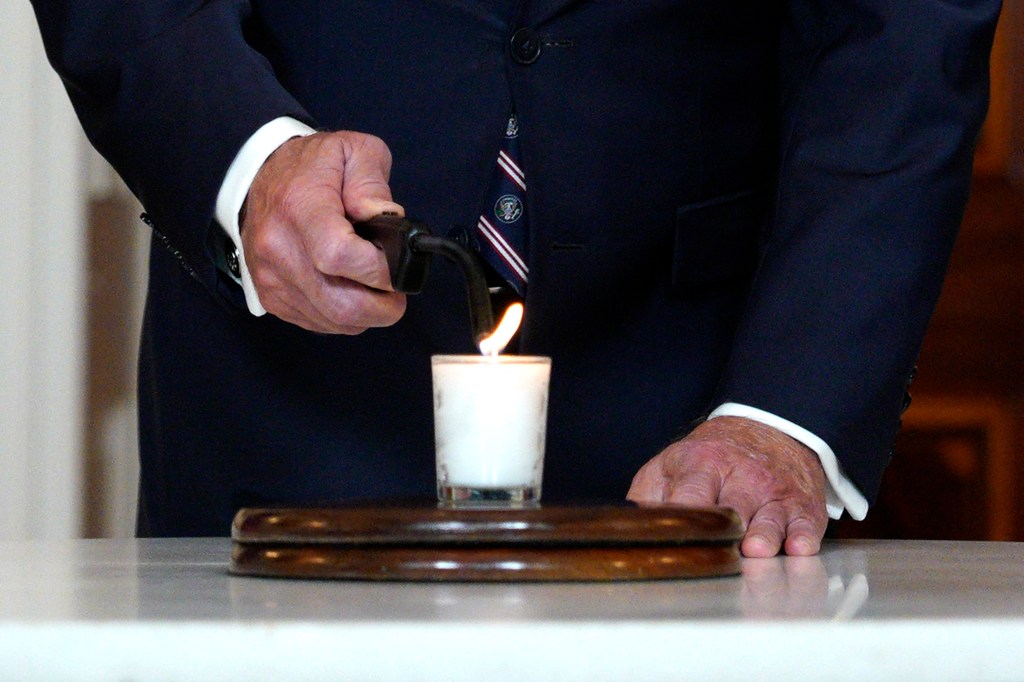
[525, 46]
[461, 236]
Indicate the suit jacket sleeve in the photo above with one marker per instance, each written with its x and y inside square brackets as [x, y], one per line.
[882, 103]
[168, 92]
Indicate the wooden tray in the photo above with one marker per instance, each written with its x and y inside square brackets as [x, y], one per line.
[423, 541]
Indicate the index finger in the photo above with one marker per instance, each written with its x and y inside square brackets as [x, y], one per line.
[336, 250]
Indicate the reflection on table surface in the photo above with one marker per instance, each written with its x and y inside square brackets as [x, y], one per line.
[187, 579]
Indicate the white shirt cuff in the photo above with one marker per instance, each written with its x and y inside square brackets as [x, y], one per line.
[236, 185]
[840, 493]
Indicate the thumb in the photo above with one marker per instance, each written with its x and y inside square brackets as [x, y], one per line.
[365, 191]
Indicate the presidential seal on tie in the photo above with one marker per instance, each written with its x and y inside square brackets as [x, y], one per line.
[508, 208]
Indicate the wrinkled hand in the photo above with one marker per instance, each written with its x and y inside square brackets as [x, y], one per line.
[773, 482]
[306, 262]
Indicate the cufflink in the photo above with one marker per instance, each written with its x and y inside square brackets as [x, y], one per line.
[231, 260]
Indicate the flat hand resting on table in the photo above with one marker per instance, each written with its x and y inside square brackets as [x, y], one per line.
[773, 482]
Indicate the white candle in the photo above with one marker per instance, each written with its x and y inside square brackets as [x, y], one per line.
[490, 417]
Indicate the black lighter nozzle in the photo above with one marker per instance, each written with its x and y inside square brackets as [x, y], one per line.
[408, 245]
[480, 315]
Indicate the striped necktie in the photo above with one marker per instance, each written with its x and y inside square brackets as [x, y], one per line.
[501, 229]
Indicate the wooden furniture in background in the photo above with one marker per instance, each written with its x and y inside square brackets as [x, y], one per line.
[952, 478]
[956, 462]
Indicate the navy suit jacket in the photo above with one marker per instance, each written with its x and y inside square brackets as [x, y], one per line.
[729, 201]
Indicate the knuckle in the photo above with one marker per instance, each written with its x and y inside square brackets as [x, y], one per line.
[372, 149]
[263, 245]
[810, 517]
[398, 309]
[691, 491]
[690, 452]
[646, 479]
[266, 280]
[341, 258]
[690, 488]
[347, 310]
[324, 258]
[327, 143]
[376, 146]
[768, 524]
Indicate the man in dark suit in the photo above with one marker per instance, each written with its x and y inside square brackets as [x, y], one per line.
[736, 209]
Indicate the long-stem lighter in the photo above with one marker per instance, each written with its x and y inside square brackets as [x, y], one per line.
[408, 245]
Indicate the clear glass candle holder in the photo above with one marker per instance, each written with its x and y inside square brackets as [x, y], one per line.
[490, 421]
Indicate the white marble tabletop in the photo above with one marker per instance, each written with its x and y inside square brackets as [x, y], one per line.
[169, 610]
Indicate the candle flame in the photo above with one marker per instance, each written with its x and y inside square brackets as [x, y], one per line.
[495, 343]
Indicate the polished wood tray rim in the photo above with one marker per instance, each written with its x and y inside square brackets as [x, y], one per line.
[420, 542]
[422, 524]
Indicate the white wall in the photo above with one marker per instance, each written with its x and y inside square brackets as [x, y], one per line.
[41, 290]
